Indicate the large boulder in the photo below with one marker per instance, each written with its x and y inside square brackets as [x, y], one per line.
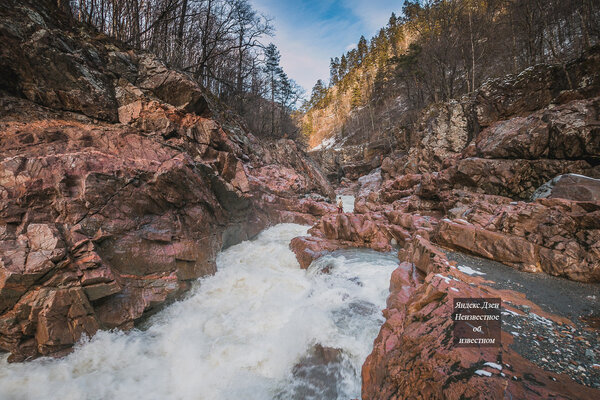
[555, 236]
[518, 178]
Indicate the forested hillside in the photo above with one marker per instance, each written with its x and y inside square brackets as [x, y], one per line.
[222, 44]
[438, 50]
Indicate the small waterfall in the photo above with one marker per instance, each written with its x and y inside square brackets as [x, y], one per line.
[260, 328]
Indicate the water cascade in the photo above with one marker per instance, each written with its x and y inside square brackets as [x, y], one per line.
[260, 328]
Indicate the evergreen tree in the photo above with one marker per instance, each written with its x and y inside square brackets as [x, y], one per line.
[393, 22]
[334, 67]
[352, 59]
[356, 96]
[272, 58]
[318, 95]
[362, 49]
[343, 67]
[379, 86]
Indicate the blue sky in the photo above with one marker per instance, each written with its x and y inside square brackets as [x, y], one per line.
[308, 33]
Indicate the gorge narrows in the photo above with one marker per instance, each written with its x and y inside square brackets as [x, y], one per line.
[260, 328]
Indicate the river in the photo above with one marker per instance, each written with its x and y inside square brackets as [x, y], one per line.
[260, 328]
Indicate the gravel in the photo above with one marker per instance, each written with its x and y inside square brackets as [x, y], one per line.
[573, 350]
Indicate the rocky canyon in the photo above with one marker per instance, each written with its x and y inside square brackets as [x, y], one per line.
[160, 216]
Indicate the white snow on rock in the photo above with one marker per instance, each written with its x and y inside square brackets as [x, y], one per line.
[494, 365]
[469, 270]
[481, 372]
[326, 143]
[541, 320]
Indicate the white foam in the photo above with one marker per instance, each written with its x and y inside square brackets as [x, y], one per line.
[237, 335]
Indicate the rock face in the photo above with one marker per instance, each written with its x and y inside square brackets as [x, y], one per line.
[119, 182]
[350, 161]
[538, 114]
[508, 173]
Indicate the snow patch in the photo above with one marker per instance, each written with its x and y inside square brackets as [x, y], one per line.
[326, 143]
[541, 320]
[481, 372]
[494, 365]
[469, 270]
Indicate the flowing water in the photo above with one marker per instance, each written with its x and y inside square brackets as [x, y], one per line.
[260, 328]
[347, 202]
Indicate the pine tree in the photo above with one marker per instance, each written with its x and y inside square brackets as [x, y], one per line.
[393, 21]
[356, 96]
[343, 67]
[334, 67]
[272, 58]
[362, 49]
[319, 92]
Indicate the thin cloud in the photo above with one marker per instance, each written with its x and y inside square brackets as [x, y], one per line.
[308, 33]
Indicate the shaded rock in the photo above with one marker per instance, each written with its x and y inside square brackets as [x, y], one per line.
[360, 230]
[65, 315]
[570, 187]
[309, 248]
[569, 131]
[517, 178]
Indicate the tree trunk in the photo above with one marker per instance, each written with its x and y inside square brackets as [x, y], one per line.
[472, 49]
[184, 5]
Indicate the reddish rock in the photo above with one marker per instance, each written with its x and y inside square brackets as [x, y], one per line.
[517, 178]
[493, 245]
[556, 236]
[360, 230]
[309, 248]
[102, 221]
[565, 132]
[414, 353]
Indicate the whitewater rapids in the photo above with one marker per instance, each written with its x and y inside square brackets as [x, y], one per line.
[247, 332]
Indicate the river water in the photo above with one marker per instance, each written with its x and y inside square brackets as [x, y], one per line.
[347, 202]
[260, 328]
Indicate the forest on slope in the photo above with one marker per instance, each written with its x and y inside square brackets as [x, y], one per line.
[439, 50]
[222, 44]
